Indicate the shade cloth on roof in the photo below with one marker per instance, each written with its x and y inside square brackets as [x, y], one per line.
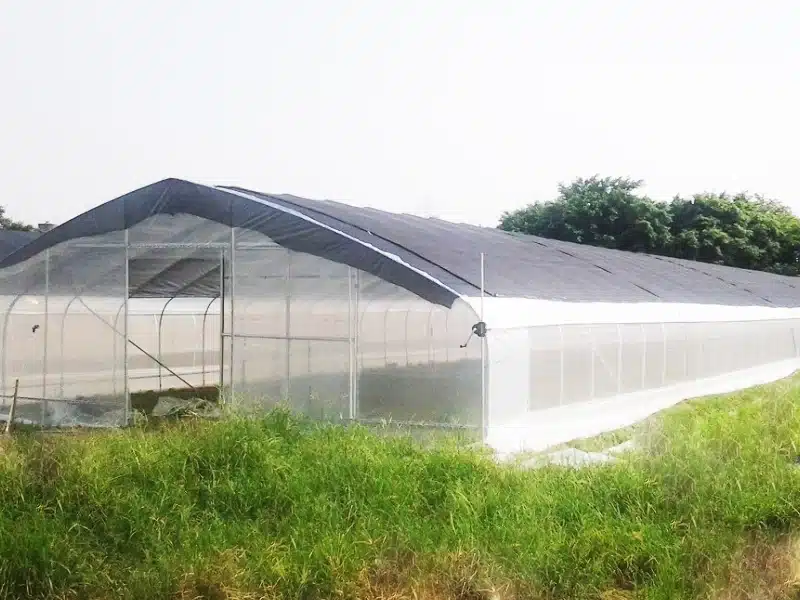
[11, 241]
[434, 259]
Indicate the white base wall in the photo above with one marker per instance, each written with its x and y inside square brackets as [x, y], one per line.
[535, 431]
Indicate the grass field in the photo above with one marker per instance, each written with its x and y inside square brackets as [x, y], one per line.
[707, 507]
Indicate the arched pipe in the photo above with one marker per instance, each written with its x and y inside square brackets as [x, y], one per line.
[203, 342]
[135, 345]
[89, 285]
[61, 345]
[5, 343]
[114, 352]
[160, 322]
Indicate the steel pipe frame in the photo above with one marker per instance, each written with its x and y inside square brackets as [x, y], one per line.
[431, 351]
[288, 323]
[3, 353]
[126, 245]
[114, 355]
[352, 316]
[160, 323]
[356, 344]
[386, 337]
[408, 312]
[45, 332]
[222, 320]
[233, 306]
[61, 345]
[116, 321]
[7, 316]
[126, 333]
[114, 350]
[203, 339]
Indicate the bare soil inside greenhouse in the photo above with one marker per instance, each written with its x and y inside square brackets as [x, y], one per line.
[703, 503]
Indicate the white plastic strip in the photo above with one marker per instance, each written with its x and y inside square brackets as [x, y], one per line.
[511, 313]
[299, 215]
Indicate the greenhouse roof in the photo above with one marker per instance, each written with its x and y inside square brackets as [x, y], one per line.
[11, 240]
[436, 259]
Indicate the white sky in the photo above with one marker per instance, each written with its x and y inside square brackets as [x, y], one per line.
[458, 108]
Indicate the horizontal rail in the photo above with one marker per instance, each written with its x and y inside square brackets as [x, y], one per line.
[283, 338]
[157, 245]
[412, 424]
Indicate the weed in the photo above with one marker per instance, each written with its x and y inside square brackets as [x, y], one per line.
[280, 507]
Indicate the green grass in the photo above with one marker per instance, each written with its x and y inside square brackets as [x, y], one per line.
[282, 508]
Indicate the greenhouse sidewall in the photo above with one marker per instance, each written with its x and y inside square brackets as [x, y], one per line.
[550, 384]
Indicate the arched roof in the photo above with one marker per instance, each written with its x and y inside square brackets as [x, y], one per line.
[435, 259]
[11, 240]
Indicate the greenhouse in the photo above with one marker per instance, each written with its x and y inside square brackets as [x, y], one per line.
[354, 314]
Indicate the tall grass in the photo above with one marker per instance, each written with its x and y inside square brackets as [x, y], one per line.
[282, 508]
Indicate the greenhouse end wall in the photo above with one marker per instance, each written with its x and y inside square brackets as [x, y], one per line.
[336, 343]
[280, 327]
[59, 352]
[550, 384]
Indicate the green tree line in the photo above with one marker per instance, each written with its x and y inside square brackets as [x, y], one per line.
[741, 230]
[9, 224]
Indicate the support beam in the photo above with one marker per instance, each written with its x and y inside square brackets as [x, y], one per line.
[288, 309]
[45, 333]
[126, 332]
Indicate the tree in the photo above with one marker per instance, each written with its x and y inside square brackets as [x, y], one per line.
[747, 231]
[8, 224]
[744, 231]
[597, 211]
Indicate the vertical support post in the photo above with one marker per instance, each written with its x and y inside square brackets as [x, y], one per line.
[405, 326]
[664, 365]
[13, 410]
[126, 326]
[386, 336]
[686, 343]
[45, 333]
[203, 348]
[288, 325]
[619, 358]
[232, 301]
[447, 336]
[356, 335]
[221, 319]
[429, 336]
[61, 338]
[561, 365]
[644, 356]
[350, 342]
[593, 347]
[484, 357]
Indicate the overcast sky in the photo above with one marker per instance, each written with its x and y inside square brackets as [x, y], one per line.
[457, 108]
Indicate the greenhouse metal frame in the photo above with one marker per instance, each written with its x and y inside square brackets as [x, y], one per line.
[347, 313]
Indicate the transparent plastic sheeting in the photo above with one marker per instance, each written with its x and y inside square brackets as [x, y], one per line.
[337, 343]
[552, 384]
[329, 340]
[58, 339]
[278, 326]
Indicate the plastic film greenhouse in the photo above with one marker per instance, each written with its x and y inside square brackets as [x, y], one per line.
[353, 314]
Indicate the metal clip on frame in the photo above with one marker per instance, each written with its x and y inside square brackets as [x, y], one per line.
[479, 329]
